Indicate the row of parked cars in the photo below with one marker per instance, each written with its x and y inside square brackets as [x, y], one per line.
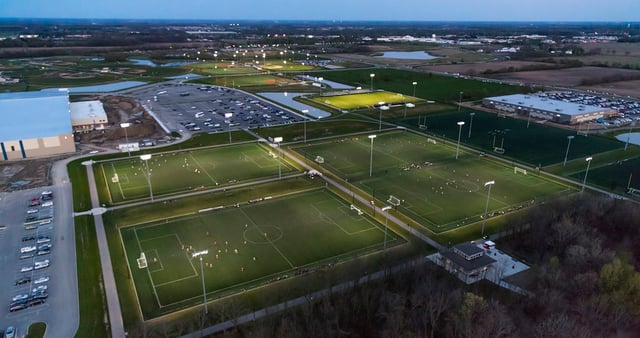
[32, 286]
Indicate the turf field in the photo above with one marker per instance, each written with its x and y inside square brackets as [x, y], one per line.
[183, 171]
[251, 245]
[363, 100]
[437, 190]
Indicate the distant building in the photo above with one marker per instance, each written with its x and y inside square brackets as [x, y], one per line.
[87, 116]
[466, 261]
[35, 124]
[547, 109]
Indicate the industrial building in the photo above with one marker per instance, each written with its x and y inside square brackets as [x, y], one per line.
[87, 116]
[35, 124]
[547, 109]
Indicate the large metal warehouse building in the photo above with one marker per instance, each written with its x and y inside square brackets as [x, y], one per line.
[35, 124]
[547, 109]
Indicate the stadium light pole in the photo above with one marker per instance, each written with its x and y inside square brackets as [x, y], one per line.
[584, 182]
[126, 137]
[146, 158]
[628, 137]
[199, 254]
[277, 141]
[414, 83]
[460, 101]
[305, 111]
[371, 157]
[320, 79]
[470, 123]
[386, 224]
[486, 207]
[372, 75]
[382, 107]
[566, 154]
[460, 124]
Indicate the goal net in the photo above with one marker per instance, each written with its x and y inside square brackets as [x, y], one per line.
[519, 170]
[430, 140]
[319, 159]
[498, 150]
[353, 207]
[393, 201]
[633, 191]
[142, 261]
[115, 178]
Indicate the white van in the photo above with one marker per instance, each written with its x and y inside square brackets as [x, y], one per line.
[199, 115]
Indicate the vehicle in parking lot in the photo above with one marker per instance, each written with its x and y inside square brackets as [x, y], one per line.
[47, 204]
[39, 288]
[23, 280]
[30, 227]
[19, 297]
[28, 238]
[46, 195]
[37, 301]
[43, 239]
[26, 256]
[40, 263]
[17, 307]
[34, 202]
[32, 211]
[26, 249]
[45, 246]
[10, 333]
[43, 252]
[26, 268]
[40, 280]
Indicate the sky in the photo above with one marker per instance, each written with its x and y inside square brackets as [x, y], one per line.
[339, 10]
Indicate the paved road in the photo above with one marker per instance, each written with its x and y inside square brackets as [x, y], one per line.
[113, 302]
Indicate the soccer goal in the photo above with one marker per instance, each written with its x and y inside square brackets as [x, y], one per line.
[142, 261]
[430, 140]
[319, 159]
[115, 178]
[633, 191]
[498, 150]
[394, 201]
[519, 170]
[353, 207]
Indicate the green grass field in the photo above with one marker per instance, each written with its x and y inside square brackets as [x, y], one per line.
[252, 245]
[439, 192]
[363, 100]
[183, 171]
[538, 144]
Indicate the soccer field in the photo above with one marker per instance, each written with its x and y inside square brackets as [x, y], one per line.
[183, 171]
[248, 246]
[436, 190]
[363, 100]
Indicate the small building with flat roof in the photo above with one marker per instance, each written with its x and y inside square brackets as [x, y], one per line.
[87, 116]
[544, 108]
[35, 124]
[466, 261]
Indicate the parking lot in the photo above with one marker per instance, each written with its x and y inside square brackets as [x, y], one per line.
[33, 281]
[203, 108]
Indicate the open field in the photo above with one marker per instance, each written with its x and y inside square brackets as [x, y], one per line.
[427, 177]
[430, 86]
[537, 145]
[183, 171]
[571, 77]
[614, 176]
[246, 80]
[474, 69]
[363, 100]
[249, 246]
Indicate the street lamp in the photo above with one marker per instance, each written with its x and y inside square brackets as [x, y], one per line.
[199, 254]
[566, 154]
[386, 224]
[382, 107]
[320, 79]
[371, 157]
[486, 207]
[414, 83]
[277, 141]
[460, 124]
[470, 123]
[460, 101]
[146, 158]
[372, 76]
[584, 182]
[305, 111]
[228, 116]
[125, 126]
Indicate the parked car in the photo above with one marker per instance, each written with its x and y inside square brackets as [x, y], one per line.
[10, 333]
[23, 280]
[40, 280]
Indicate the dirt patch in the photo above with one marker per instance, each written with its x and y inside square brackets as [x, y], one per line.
[623, 88]
[26, 174]
[473, 69]
[571, 77]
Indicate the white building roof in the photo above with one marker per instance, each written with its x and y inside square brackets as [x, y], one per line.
[546, 104]
[28, 115]
[87, 110]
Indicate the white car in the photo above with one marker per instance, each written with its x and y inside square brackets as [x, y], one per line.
[10, 333]
[32, 211]
[47, 204]
[26, 268]
[26, 249]
[19, 297]
[41, 280]
[40, 288]
[43, 239]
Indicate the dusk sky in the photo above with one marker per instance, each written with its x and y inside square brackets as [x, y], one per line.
[387, 10]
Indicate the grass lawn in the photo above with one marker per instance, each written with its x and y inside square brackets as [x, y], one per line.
[615, 175]
[432, 183]
[244, 80]
[183, 171]
[252, 245]
[363, 100]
